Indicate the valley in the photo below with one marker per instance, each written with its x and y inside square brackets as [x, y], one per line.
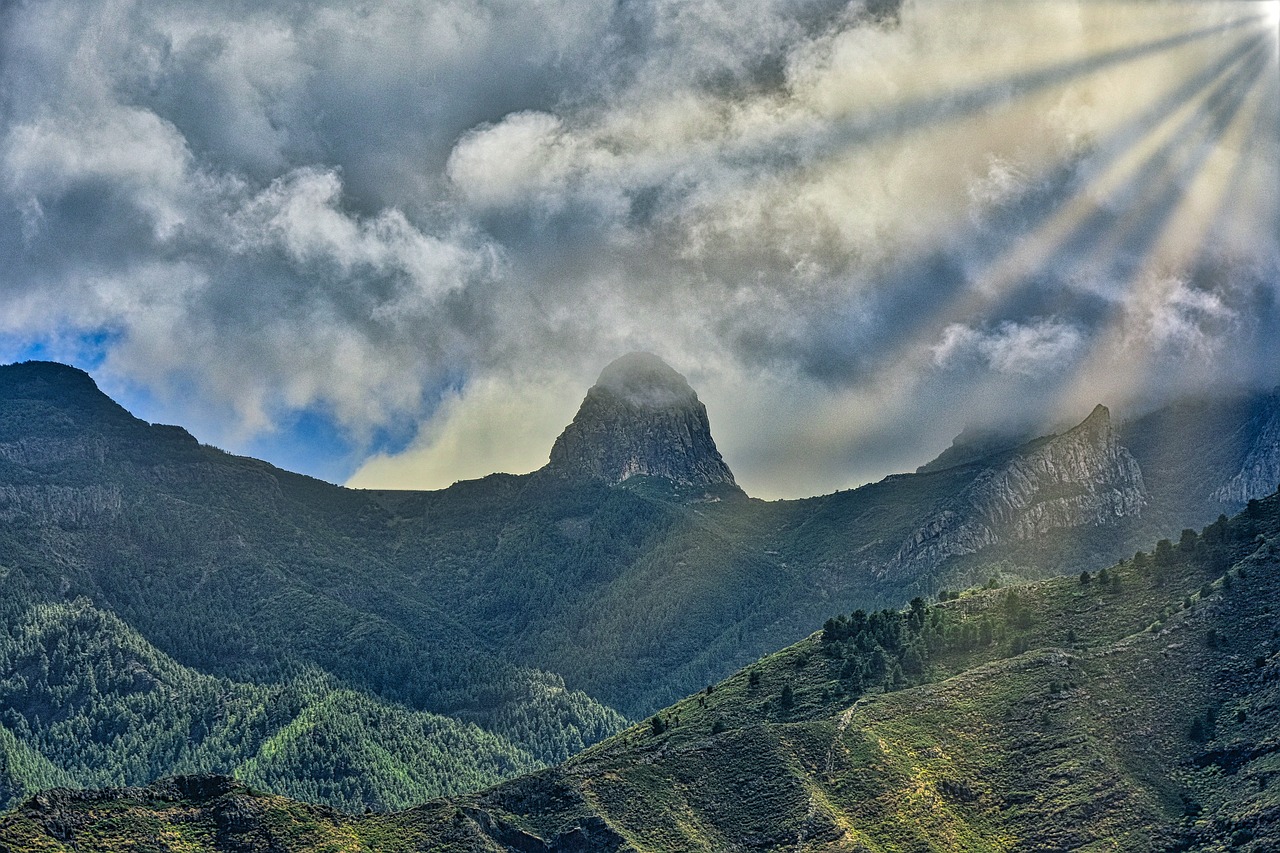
[377, 649]
[1134, 707]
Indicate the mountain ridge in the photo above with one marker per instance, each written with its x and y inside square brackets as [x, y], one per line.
[1073, 713]
[1081, 476]
[547, 610]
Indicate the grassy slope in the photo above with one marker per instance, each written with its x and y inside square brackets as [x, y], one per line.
[1068, 745]
[440, 601]
[1134, 715]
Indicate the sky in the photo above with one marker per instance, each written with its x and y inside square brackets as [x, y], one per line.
[392, 244]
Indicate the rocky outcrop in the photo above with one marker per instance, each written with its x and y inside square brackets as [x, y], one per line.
[1259, 475]
[641, 418]
[1081, 478]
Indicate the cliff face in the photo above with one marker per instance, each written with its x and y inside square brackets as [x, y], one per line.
[1081, 478]
[1259, 475]
[641, 418]
[63, 444]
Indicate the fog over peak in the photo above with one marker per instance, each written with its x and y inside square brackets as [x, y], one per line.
[644, 379]
[396, 243]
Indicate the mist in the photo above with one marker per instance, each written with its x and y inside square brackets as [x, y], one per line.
[395, 246]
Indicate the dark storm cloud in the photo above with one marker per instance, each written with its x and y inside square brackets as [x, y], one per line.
[854, 225]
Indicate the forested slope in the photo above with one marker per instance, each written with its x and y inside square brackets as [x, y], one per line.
[533, 605]
[1132, 708]
[86, 700]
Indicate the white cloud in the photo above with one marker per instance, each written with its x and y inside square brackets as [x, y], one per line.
[130, 150]
[1023, 349]
[498, 164]
[1173, 318]
[504, 424]
[302, 214]
[347, 208]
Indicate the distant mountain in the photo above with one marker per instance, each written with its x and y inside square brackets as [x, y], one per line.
[1133, 708]
[1080, 478]
[239, 571]
[1208, 455]
[641, 419]
[547, 608]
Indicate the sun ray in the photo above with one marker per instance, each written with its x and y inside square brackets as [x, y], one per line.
[1156, 190]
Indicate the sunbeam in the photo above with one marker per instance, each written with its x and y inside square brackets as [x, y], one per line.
[1128, 217]
[906, 215]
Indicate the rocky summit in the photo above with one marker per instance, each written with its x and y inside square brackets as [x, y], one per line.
[641, 418]
[1080, 478]
[186, 610]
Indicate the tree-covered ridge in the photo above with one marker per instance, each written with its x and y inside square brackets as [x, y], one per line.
[85, 700]
[244, 571]
[1131, 707]
[529, 605]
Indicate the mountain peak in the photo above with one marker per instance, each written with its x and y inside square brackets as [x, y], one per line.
[47, 373]
[55, 406]
[644, 380]
[1100, 416]
[61, 386]
[641, 418]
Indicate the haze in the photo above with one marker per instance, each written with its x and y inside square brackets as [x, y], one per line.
[392, 245]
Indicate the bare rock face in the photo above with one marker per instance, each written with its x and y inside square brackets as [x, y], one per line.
[641, 418]
[1081, 478]
[1259, 475]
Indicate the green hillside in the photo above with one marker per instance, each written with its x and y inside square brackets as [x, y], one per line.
[1132, 709]
[87, 701]
[24, 770]
[243, 571]
[530, 606]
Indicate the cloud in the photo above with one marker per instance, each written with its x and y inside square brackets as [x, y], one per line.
[132, 150]
[501, 424]
[426, 218]
[497, 164]
[1033, 349]
[1183, 320]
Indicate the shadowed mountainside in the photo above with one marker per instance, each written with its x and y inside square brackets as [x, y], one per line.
[629, 572]
[1132, 708]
